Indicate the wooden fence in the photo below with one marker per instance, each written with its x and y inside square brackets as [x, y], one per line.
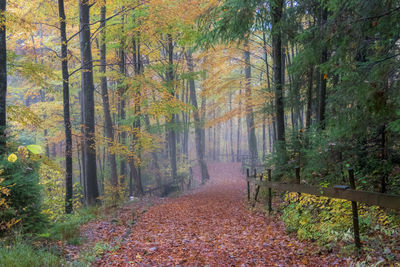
[250, 163]
[347, 192]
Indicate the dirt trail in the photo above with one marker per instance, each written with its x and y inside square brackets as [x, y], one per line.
[213, 226]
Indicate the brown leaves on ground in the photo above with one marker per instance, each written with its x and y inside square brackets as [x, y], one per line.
[212, 226]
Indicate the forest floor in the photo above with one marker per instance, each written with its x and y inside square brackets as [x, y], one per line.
[212, 225]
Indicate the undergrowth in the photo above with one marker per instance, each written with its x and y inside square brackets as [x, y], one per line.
[329, 223]
[24, 254]
[45, 248]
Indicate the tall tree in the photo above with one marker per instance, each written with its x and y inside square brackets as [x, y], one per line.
[198, 123]
[135, 168]
[3, 76]
[239, 127]
[108, 124]
[277, 10]
[251, 130]
[88, 102]
[172, 126]
[122, 90]
[67, 116]
[231, 128]
[322, 75]
[203, 119]
[309, 96]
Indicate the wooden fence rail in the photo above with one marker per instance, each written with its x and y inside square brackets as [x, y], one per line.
[340, 191]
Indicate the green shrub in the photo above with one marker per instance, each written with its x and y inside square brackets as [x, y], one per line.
[24, 199]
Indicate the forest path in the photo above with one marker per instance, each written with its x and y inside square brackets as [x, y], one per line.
[213, 226]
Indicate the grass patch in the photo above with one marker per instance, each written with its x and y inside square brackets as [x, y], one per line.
[21, 254]
[66, 228]
[39, 249]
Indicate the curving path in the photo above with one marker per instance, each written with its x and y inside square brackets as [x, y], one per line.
[212, 226]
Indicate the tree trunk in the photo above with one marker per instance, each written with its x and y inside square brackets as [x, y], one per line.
[185, 118]
[384, 158]
[3, 78]
[264, 142]
[156, 166]
[134, 167]
[121, 91]
[82, 145]
[198, 123]
[309, 97]
[239, 126]
[323, 77]
[218, 152]
[203, 120]
[231, 128]
[271, 136]
[251, 130]
[214, 137]
[278, 71]
[88, 103]
[171, 130]
[108, 124]
[67, 117]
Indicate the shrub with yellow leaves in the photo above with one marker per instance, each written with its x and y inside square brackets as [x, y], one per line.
[52, 178]
[329, 221]
[4, 193]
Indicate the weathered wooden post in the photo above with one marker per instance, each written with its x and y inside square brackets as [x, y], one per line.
[356, 227]
[297, 174]
[257, 190]
[298, 182]
[269, 192]
[189, 186]
[298, 177]
[248, 185]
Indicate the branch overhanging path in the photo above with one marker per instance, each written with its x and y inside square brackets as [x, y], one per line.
[211, 225]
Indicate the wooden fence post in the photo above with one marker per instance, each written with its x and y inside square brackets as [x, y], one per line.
[248, 185]
[257, 191]
[189, 186]
[269, 193]
[355, 211]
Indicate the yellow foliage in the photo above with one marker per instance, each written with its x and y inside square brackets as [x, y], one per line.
[5, 192]
[113, 196]
[12, 158]
[54, 201]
